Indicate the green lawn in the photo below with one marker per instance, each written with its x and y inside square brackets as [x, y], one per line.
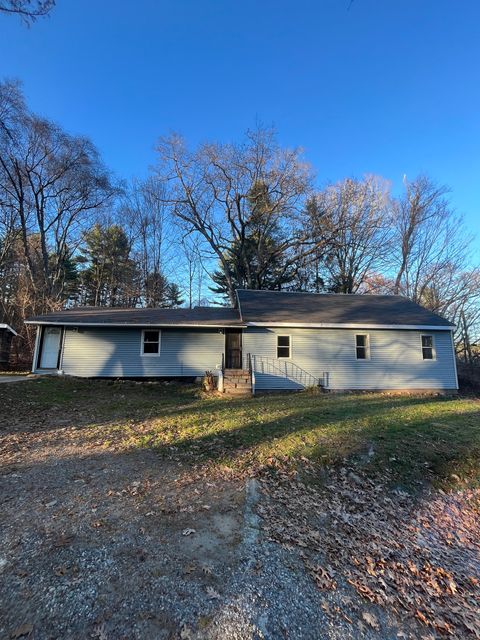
[416, 437]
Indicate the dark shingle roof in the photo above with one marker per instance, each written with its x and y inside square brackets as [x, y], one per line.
[265, 307]
[333, 308]
[204, 316]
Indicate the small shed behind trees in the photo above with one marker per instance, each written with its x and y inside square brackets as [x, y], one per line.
[6, 335]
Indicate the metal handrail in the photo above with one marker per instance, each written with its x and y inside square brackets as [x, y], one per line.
[287, 369]
[247, 362]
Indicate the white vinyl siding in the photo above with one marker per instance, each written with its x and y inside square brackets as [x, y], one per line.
[396, 360]
[112, 352]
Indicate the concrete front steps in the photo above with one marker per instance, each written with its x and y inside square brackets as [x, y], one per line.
[237, 382]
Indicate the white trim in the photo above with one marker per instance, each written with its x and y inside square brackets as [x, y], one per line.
[434, 350]
[142, 344]
[345, 325]
[367, 347]
[284, 335]
[3, 325]
[62, 350]
[293, 325]
[136, 325]
[454, 358]
[59, 350]
[35, 350]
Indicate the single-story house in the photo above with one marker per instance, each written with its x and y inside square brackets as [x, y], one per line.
[274, 340]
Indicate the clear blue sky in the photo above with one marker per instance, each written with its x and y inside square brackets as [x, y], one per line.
[385, 86]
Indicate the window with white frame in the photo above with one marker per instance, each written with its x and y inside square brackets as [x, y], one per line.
[362, 346]
[284, 346]
[150, 342]
[428, 348]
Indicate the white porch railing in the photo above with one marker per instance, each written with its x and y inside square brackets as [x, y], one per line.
[285, 368]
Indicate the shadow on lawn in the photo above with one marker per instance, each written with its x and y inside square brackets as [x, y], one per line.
[114, 510]
[414, 435]
[402, 436]
[421, 444]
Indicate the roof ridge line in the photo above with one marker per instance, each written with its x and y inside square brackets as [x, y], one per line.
[324, 293]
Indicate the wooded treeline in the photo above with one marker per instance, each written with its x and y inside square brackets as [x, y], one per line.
[209, 220]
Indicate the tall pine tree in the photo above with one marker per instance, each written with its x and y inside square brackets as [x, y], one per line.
[110, 277]
[257, 259]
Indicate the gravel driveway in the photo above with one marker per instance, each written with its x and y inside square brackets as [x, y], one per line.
[102, 542]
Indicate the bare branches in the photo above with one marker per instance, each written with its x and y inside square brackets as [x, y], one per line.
[28, 10]
[50, 182]
[353, 216]
[422, 208]
[221, 216]
[210, 192]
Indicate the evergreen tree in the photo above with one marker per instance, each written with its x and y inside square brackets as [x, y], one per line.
[110, 277]
[174, 297]
[160, 293]
[257, 259]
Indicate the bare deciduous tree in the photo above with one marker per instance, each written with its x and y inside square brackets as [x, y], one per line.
[210, 190]
[154, 238]
[195, 269]
[433, 259]
[353, 214]
[429, 235]
[50, 182]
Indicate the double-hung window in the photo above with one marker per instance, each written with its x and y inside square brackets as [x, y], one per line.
[150, 342]
[362, 346]
[428, 348]
[284, 346]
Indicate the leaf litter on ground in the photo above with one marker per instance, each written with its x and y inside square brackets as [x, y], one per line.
[417, 556]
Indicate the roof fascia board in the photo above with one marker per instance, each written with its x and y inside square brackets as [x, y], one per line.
[348, 325]
[130, 324]
[3, 325]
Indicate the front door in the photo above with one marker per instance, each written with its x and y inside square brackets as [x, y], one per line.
[233, 348]
[50, 347]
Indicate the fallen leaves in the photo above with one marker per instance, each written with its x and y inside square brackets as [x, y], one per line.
[418, 558]
[323, 578]
[22, 631]
[185, 633]
[371, 620]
